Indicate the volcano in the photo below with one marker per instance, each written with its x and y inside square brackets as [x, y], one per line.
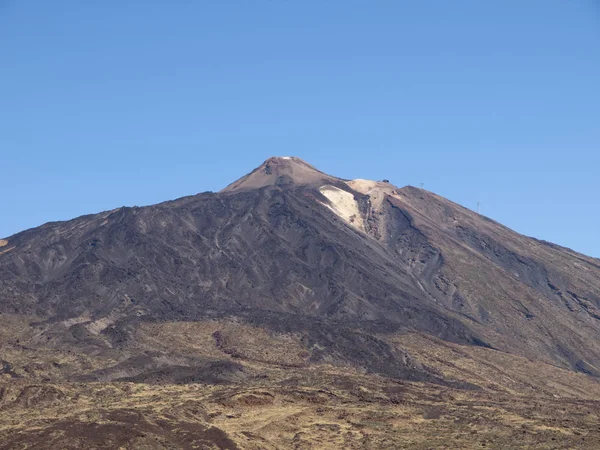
[286, 270]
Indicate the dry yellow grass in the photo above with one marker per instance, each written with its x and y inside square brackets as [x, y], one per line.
[285, 401]
[498, 371]
[326, 410]
[222, 338]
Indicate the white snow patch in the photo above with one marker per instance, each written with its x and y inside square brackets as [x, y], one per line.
[343, 204]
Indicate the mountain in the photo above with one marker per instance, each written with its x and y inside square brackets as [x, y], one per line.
[288, 270]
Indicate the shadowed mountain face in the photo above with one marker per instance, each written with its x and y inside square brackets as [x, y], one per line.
[297, 251]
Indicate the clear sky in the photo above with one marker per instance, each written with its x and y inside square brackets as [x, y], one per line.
[112, 103]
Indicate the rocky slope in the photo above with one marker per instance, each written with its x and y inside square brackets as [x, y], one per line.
[289, 269]
[291, 240]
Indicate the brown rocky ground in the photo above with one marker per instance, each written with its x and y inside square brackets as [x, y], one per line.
[270, 395]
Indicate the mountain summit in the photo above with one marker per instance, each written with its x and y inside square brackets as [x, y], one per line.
[280, 171]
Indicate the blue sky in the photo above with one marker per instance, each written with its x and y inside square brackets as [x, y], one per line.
[113, 103]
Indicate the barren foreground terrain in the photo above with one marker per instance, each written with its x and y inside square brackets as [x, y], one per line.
[256, 390]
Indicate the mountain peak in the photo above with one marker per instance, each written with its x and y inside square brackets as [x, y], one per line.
[281, 171]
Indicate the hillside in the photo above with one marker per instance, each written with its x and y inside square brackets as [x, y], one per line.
[297, 294]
